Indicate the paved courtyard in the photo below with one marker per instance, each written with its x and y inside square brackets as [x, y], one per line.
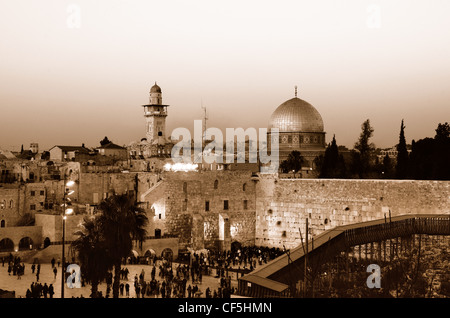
[20, 286]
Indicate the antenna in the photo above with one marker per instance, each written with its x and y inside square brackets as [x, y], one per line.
[205, 117]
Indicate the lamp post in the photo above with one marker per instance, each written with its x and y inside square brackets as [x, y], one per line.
[65, 212]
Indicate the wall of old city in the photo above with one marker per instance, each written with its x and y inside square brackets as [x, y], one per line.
[94, 187]
[195, 207]
[283, 205]
[52, 226]
[16, 234]
[17, 200]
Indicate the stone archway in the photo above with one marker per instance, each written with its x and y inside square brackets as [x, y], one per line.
[6, 245]
[47, 242]
[149, 256]
[149, 253]
[167, 254]
[26, 243]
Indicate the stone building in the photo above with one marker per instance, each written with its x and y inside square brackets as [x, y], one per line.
[204, 209]
[155, 144]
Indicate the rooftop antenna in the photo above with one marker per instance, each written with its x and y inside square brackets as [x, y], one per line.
[205, 117]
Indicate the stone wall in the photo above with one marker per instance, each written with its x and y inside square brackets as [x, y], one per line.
[94, 187]
[283, 205]
[17, 233]
[187, 216]
[52, 226]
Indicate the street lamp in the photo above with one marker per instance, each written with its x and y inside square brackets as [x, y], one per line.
[66, 211]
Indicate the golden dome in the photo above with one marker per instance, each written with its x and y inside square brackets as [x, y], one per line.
[296, 115]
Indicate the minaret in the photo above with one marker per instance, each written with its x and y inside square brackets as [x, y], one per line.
[155, 114]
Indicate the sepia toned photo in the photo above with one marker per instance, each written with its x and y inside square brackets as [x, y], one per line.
[220, 157]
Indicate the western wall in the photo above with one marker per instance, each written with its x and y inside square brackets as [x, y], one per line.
[283, 205]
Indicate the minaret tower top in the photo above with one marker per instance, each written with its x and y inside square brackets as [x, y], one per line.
[155, 114]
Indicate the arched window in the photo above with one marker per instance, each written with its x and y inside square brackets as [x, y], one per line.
[216, 184]
[2, 223]
[185, 187]
[11, 204]
[244, 186]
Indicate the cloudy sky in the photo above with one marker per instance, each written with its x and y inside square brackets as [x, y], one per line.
[72, 72]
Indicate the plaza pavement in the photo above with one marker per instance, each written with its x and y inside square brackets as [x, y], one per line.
[20, 286]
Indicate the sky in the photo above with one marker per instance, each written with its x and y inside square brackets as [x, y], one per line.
[73, 72]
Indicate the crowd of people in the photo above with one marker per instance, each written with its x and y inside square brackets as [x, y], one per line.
[166, 279]
[15, 266]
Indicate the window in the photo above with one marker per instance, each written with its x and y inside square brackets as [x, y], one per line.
[244, 186]
[33, 207]
[185, 204]
[225, 204]
[245, 204]
[11, 204]
[159, 216]
[206, 205]
[216, 184]
[32, 193]
[3, 223]
[41, 192]
[185, 187]
[3, 204]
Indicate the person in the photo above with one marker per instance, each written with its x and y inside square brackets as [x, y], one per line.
[45, 290]
[138, 290]
[55, 271]
[127, 289]
[37, 276]
[121, 288]
[51, 291]
[53, 262]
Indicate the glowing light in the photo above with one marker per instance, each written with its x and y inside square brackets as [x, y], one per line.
[69, 211]
[181, 167]
[70, 183]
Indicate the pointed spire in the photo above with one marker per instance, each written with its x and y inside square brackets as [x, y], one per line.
[295, 90]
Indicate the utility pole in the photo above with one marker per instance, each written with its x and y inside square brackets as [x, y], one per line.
[306, 258]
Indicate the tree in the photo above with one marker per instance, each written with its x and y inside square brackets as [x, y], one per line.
[293, 162]
[387, 167]
[442, 131]
[122, 221]
[332, 165]
[401, 168]
[92, 253]
[430, 156]
[364, 150]
[105, 141]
